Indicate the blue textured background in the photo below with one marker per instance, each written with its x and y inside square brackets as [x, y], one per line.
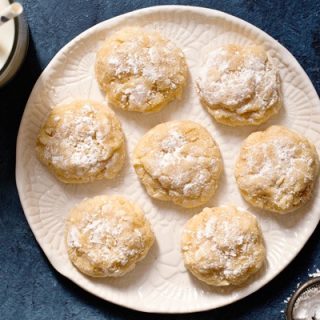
[29, 287]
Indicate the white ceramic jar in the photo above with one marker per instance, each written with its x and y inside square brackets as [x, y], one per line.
[14, 39]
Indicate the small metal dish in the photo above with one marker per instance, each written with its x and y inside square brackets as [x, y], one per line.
[314, 282]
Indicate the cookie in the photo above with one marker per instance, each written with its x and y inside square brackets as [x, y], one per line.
[276, 169]
[140, 70]
[240, 85]
[107, 235]
[223, 246]
[81, 142]
[178, 161]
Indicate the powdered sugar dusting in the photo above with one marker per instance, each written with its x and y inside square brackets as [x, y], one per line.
[138, 95]
[143, 68]
[226, 241]
[223, 245]
[78, 141]
[238, 83]
[178, 166]
[73, 238]
[280, 166]
[135, 58]
[109, 238]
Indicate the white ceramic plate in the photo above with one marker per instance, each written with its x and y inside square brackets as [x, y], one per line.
[160, 283]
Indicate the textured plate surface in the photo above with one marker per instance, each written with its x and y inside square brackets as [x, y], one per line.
[160, 283]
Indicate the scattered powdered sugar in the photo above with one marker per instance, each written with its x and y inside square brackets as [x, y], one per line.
[314, 274]
[78, 141]
[179, 167]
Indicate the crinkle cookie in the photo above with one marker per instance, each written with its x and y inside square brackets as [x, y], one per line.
[277, 169]
[107, 235]
[240, 85]
[81, 142]
[178, 161]
[223, 246]
[140, 70]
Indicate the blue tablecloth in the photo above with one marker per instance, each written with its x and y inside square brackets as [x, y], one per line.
[29, 287]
